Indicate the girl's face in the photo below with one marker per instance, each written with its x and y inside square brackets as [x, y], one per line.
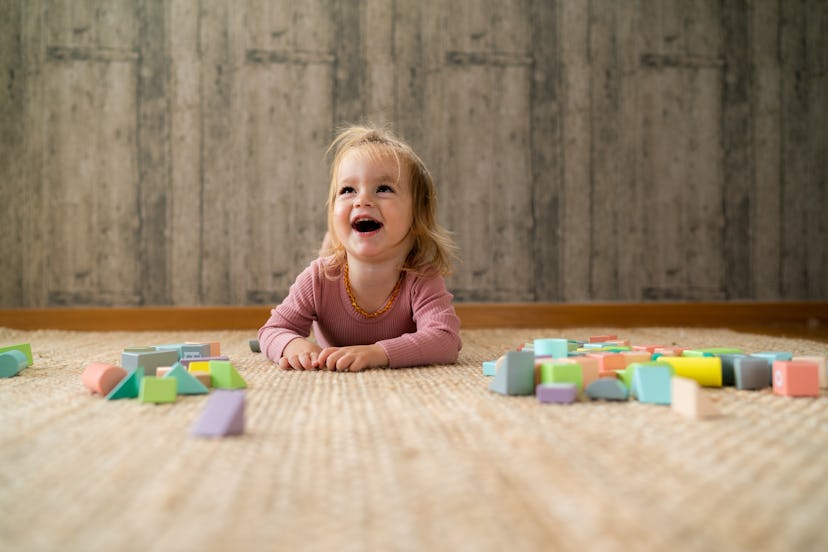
[372, 211]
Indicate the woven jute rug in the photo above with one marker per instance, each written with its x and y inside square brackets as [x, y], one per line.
[413, 459]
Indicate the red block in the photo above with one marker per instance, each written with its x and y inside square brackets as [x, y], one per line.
[795, 378]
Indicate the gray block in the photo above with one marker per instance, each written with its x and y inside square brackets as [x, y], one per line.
[150, 361]
[752, 373]
[516, 375]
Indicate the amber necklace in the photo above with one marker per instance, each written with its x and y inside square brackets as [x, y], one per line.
[384, 309]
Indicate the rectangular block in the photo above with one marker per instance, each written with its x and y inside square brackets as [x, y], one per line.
[795, 378]
[149, 360]
[158, 390]
[557, 348]
[820, 362]
[560, 393]
[186, 361]
[751, 373]
[608, 362]
[688, 399]
[515, 375]
[24, 348]
[561, 373]
[590, 367]
[602, 338]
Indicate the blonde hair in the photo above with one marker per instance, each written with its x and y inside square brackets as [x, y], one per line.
[433, 249]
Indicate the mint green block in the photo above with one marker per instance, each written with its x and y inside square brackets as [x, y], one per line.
[490, 368]
[11, 363]
[651, 384]
[628, 373]
[551, 346]
[187, 383]
[721, 351]
[129, 387]
[224, 376]
[562, 373]
[158, 390]
[24, 348]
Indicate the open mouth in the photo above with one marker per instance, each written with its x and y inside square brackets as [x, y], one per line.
[365, 225]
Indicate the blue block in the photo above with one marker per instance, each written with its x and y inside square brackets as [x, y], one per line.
[489, 367]
[774, 355]
[608, 389]
[728, 376]
[652, 384]
[516, 375]
[12, 362]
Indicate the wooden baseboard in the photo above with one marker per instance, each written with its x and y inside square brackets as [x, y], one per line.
[808, 319]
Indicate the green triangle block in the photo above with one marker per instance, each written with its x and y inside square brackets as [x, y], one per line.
[187, 383]
[158, 390]
[129, 387]
[224, 376]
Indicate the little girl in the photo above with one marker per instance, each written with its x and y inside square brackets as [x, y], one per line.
[376, 296]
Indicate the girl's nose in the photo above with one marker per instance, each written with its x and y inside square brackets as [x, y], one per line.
[363, 198]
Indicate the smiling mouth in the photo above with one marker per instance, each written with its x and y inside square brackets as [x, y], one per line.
[365, 225]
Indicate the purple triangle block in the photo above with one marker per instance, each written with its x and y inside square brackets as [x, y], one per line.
[223, 415]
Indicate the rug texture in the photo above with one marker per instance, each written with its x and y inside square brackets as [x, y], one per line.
[411, 459]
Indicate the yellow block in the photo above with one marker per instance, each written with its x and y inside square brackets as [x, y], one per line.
[707, 371]
[200, 366]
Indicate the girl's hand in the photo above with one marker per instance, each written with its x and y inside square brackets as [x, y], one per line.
[352, 359]
[300, 354]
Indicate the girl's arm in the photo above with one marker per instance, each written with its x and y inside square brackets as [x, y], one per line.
[437, 338]
[291, 321]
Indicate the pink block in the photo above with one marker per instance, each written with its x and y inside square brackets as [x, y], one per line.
[101, 378]
[795, 378]
[648, 348]
[670, 351]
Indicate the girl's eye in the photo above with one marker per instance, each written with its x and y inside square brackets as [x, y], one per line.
[346, 190]
[384, 188]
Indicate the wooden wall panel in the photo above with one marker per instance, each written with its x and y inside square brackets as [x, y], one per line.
[172, 153]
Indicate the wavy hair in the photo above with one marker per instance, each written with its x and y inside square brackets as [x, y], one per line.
[433, 249]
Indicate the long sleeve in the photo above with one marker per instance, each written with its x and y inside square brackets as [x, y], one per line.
[293, 318]
[437, 337]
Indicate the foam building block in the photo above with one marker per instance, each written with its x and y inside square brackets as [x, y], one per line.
[162, 371]
[197, 365]
[139, 349]
[129, 387]
[12, 362]
[187, 361]
[689, 400]
[751, 373]
[652, 384]
[24, 348]
[187, 350]
[489, 367]
[649, 348]
[774, 355]
[560, 393]
[188, 384]
[149, 360]
[158, 390]
[795, 378]
[224, 376]
[254, 345]
[728, 361]
[627, 374]
[589, 368]
[556, 348]
[204, 377]
[712, 351]
[820, 362]
[602, 338]
[516, 374]
[705, 370]
[609, 362]
[101, 378]
[222, 415]
[562, 373]
[632, 357]
[608, 389]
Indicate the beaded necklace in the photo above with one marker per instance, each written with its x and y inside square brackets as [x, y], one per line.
[384, 309]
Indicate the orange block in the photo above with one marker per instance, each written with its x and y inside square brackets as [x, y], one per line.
[601, 338]
[795, 378]
[608, 362]
[631, 357]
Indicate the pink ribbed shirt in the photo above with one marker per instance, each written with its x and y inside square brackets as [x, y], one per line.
[420, 328]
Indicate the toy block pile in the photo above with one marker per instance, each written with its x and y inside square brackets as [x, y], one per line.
[15, 358]
[160, 373]
[607, 368]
